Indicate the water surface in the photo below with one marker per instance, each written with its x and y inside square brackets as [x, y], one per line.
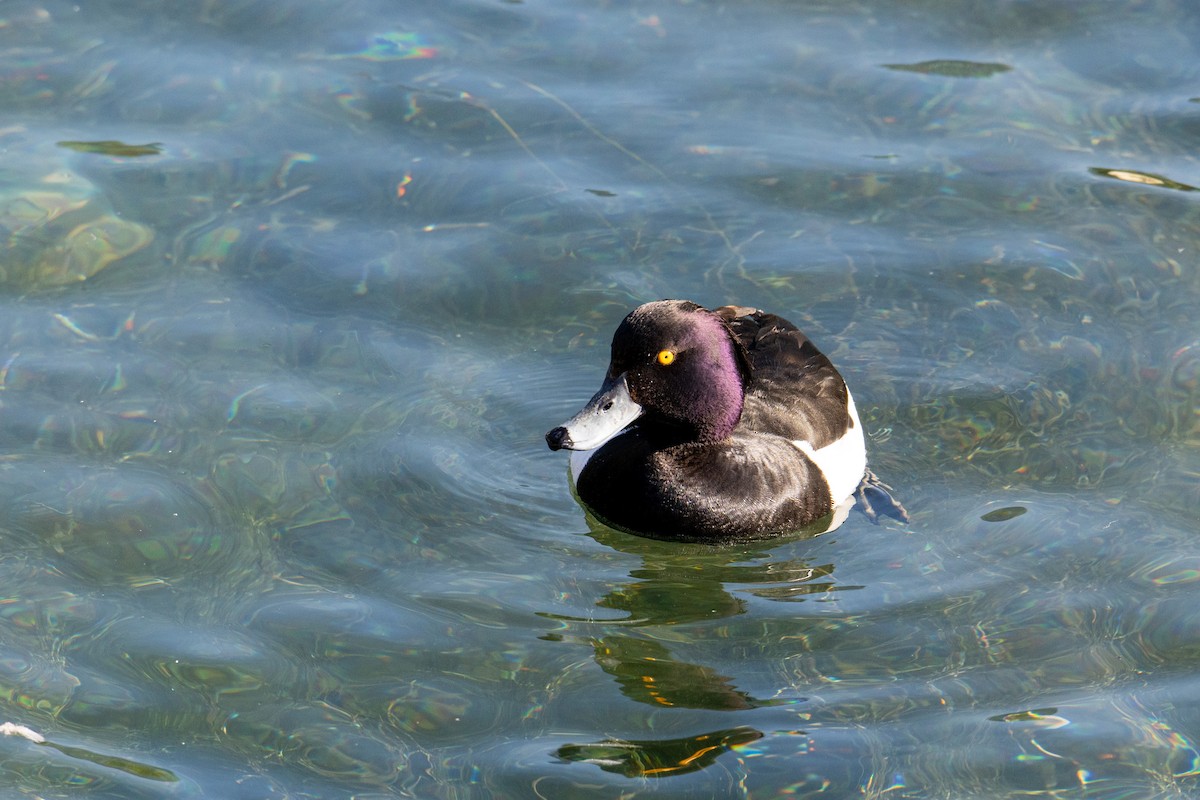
[290, 292]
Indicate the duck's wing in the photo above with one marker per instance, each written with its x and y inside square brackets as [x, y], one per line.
[794, 390]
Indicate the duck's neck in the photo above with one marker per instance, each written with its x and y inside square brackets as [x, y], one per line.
[719, 401]
[722, 408]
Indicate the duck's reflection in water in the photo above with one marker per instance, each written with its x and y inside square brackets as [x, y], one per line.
[674, 586]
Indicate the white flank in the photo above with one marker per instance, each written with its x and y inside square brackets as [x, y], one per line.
[843, 462]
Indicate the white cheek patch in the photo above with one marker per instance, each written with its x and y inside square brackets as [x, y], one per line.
[842, 462]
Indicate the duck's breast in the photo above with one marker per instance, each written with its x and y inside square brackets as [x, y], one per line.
[746, 487]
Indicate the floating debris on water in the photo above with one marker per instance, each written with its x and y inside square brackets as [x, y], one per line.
[111, 147]
[1144, 178]
[13, 729]
[951, 68]
[113, 762]
[1004, 514]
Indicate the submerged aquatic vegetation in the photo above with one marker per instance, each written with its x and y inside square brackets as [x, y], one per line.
[58, 230]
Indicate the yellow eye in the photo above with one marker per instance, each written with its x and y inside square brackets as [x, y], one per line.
[666, 357]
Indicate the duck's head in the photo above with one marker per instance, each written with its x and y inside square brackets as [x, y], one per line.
[676, 367]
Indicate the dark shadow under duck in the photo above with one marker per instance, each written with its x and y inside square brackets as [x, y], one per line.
[717, 426]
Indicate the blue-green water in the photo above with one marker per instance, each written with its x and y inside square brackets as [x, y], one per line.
[290, 292]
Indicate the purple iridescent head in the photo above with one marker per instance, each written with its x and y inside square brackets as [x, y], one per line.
[675, 366]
